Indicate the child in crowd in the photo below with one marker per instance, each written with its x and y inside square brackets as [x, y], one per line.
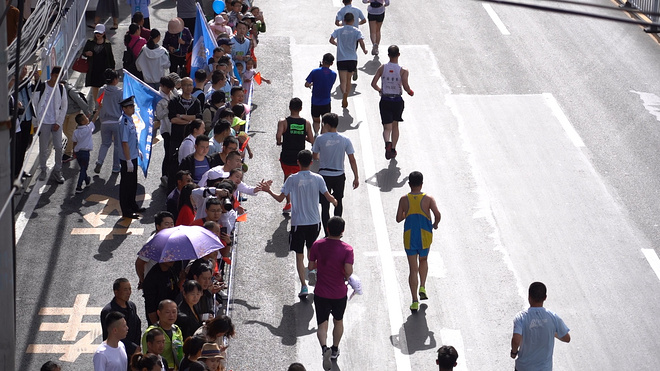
[212, 357]
[219, 25]
[82, 146]
[248, 75]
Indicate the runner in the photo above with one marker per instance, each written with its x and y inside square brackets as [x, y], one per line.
[345, 38]
[376, 15]
[331, 149]
[304, 188]
[415, 208]
[333, 259]
[391, 105]
[291, 135]
[321, 80]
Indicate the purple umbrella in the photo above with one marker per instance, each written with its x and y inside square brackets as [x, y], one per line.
[180, 243]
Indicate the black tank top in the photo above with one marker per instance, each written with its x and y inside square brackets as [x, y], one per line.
[293, 140]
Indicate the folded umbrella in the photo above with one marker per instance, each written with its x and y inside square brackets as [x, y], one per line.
[180, 243]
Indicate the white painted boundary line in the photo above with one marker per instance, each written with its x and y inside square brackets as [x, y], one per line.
[453, 337]
[391, 285]
[42, 186]
[563, 120]
[653, 260]
[496, 19]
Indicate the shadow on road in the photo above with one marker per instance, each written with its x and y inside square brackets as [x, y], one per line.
[416, 334]
[294, 323]
[388, 179]
[276, 244]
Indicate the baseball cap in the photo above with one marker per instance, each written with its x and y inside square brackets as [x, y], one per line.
[100, 28]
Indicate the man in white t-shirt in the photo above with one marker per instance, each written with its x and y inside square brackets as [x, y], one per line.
[111, 354]
[534, 333]
[331, 149]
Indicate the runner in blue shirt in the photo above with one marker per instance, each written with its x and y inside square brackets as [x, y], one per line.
[321, 80]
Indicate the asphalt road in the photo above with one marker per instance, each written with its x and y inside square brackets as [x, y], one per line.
[538, 139]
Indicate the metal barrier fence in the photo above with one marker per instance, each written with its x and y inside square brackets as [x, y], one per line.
[648, 7]
[68, 35]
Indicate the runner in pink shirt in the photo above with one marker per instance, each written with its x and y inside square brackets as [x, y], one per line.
[333, 260]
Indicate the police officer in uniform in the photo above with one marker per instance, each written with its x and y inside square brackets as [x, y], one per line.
[128, 158]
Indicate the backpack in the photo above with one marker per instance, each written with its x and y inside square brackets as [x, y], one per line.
[80, 94]
[129, 59]
[41, 87]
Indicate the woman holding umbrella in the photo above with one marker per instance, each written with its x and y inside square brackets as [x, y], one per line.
[188, 319]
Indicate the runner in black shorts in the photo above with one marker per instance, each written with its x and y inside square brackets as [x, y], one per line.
[321, 81]
[394, 79]
[375, 15]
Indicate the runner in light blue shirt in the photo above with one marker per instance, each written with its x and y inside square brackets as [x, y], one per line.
[349, 8]
[534, 333]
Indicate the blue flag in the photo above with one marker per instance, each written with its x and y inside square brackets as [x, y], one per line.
[203, 44]
[146, 99]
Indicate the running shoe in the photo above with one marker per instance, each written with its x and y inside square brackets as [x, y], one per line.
[79, 190]
[335, 354]
[374, 50]
[303, 292]
[422, 293]
[414, 307]
[355, 75]
[393, 153]
[327, 363]
[388, 150]
[287, 208]
[97, 168]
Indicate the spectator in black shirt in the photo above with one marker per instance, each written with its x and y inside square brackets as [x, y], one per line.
[121, 303]
[162, 282]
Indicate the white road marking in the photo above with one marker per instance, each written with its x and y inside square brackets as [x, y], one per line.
[392, 297]
[653, 260]
[563, 120]
[435, 261]
[42, 187]
[496, 19]
[651, 103]
[453, 337]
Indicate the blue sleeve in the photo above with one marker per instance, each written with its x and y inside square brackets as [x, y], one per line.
[123, 131]
[349, 147]
[518, 324]
[322, 187]
[560, 326]
[310, 77]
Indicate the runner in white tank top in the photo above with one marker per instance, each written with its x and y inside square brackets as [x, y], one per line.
[394, 79]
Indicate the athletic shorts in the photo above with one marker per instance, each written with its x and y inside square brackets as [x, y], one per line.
[376, 17]
[318, 111]
[350, 66]
[325, 307]
[390, 110]
[421, 252]
[301, 234]
[335, 185]
[289, 169]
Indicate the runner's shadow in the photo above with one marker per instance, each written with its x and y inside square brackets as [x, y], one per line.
[416, 332]
[245, 304]
[346, 122]
[388, 179]
[294, 323]
[275, 244]
[371, 66]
